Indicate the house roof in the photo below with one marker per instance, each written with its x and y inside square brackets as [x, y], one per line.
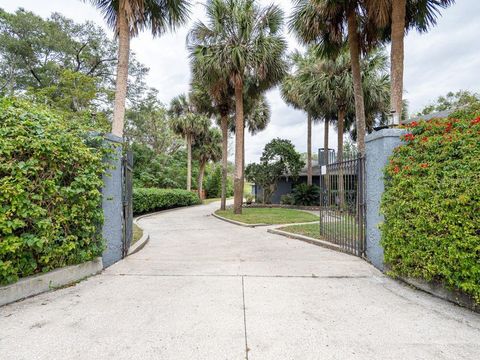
[439, 114]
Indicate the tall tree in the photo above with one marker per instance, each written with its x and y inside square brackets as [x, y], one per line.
[331, 23]
[241, 38]
[396, 18]
[67, 65]
[207, 148]
[127, 18]
[295, 92]
[217, 85]
[190, 124]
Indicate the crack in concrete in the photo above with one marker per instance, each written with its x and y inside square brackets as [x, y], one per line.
[245, 319]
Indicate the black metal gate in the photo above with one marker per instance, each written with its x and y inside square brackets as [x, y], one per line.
[342, 208]
[127, 201]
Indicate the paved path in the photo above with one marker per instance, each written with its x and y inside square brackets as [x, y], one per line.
[206, 289]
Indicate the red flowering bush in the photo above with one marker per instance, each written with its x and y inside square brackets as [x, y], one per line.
[432, 203]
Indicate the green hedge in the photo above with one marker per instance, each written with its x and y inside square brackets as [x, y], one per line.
[432, 204]
[152, 199]
[50, 199]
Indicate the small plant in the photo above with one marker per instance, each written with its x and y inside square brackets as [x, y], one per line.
[306, 195]
[287, 199]
[249, 199]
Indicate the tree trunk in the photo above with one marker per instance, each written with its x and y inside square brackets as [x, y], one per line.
[201, 172]
[224, 126]
[341, 121]
[397, 56]
[122, 72]
[239, 129]
[309, 150]
[354, 45]
[189, 162]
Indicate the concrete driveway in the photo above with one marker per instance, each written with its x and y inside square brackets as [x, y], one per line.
[206, 289]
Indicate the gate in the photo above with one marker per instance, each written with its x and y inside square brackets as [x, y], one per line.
[342, 208]
[127, 185]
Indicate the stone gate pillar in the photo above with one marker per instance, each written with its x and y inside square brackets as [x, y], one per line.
[379, 147]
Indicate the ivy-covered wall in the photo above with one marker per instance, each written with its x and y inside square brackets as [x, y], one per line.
[432, 203]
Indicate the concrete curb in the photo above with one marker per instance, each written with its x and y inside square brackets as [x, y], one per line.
[140, 244]
[441, 292]
[40, 283]
[237, 222]
[309, 240]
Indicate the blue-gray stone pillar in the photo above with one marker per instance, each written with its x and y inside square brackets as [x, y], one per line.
[379, 147]
[112, 203]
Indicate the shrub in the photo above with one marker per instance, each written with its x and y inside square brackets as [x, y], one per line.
[249, 199]
[213, 183]
[50, 199]
[152, 199]
[287, 199]
[432, 204]
[306, 195]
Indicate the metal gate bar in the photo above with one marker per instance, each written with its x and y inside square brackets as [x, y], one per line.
[342, 208]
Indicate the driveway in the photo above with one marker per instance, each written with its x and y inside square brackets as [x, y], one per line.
[206, 289]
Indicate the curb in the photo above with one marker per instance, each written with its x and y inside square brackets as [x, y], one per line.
[439, 291]
[140, 244]
[41, 283]
[309, 240]
[238, 222]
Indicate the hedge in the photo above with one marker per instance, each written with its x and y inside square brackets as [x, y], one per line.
[432, 204]
[152, 199]
[50, 199]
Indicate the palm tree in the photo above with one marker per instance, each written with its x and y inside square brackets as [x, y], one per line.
[207, 148]
[331, 23]
[294, 91]
[217, 85]
[127, 18]
[190, 124]
[395, 18]
[241, 38]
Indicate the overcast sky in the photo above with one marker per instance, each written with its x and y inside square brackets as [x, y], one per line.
[447, 58]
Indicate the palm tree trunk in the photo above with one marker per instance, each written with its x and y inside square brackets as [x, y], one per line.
[189, 162]
[239, 130]
[397, 56]
[354, 45]
[309, 150]
[122, 72]
[224, 126]
[340, 126]
[201, 172]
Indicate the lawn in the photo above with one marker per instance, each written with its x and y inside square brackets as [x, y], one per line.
[268, 216]
[347, 231]
[310, 230]
[137, 234]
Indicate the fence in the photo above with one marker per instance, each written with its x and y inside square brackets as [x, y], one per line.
[342, 208]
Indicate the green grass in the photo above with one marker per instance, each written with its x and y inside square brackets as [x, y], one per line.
[310, 230]
[137, 234]
[345, 230]
[268, 216]
[209, 201]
